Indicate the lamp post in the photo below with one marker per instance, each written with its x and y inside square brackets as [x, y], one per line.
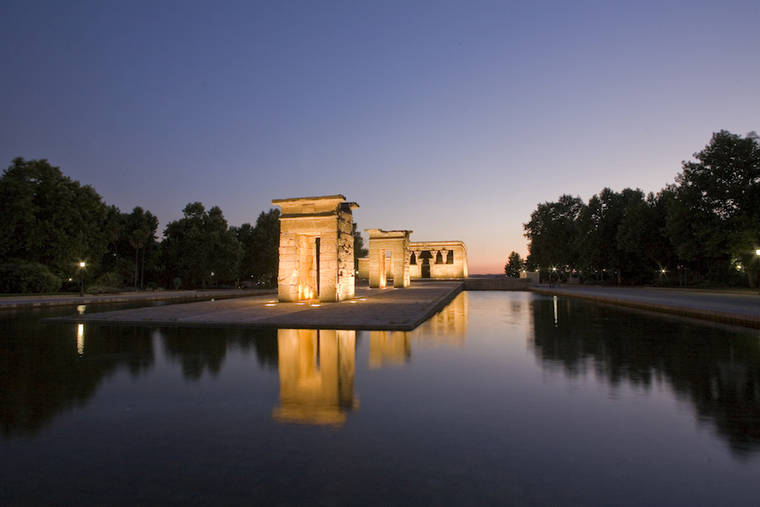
[757, 254]
[82, 265]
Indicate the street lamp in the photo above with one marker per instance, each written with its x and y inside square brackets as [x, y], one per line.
[82, 265]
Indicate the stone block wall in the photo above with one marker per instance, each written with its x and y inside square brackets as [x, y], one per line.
[345, 262]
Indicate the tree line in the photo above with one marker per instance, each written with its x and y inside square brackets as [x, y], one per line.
[51, 223]
[702, 229]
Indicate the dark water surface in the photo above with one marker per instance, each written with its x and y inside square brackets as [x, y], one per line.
[502, 398]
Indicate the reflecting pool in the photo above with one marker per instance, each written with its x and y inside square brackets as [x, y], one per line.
[502, 398]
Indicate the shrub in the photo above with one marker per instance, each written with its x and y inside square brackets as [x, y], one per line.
[109, 279]
[22, 276]
[100, 289]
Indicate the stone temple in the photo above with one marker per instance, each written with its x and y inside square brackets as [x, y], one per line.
[316, 248]
[317, 253]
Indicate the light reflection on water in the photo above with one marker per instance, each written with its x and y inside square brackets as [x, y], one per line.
[317, 367]
[316, 370]
[501, 397]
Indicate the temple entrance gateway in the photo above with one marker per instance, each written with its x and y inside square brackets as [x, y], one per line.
[316, 248]
[388, 258]
[308, 266]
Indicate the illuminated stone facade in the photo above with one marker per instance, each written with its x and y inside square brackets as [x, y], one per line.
[428, 259]
[438, 259]
[316, 248]
[388, 257]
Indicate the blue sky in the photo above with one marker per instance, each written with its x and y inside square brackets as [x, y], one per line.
[453, 119]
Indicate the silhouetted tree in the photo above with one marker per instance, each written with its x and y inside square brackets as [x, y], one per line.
[553, 233]
[50, 219]
[359, 250]
[140, 231]
[714, 218]
[708, 224]
[261, 246]
[200, 248]
[514, 265]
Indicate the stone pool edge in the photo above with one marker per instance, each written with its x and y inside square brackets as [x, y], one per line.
[740, 319]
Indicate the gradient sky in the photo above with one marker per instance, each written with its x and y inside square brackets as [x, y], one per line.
[453, 119]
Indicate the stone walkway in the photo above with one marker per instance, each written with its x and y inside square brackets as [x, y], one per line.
[22, 302]
[376, 309]
[742, 308]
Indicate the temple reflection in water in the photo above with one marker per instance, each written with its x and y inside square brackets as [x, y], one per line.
[48, 370]
[316, 375]
[448, 327]
[316, 367]
[388, 348]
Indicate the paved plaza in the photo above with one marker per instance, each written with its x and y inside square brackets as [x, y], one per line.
[374, 309]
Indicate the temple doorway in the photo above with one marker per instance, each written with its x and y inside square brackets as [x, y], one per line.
[425, 256]
[308, 267]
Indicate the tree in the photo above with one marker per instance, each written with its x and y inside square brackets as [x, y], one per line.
[600, 242]
[642, 237]
[514, 265]
[714, 216]
[359, 250]
[245, 237]
[200, 248]
[261, 249]
[50, 219]
[553, 233]
[140, 230]
[708, 224]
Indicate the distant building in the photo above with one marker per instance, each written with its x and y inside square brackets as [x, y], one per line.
[427, 260]
[438, 259]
